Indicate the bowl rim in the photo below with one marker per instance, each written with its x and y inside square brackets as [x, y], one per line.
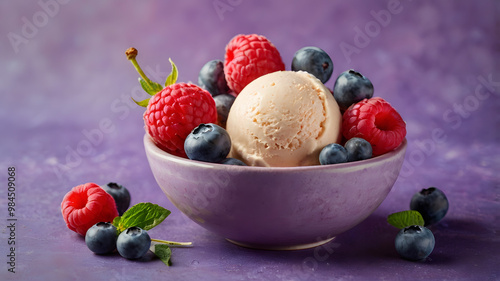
[155, 150]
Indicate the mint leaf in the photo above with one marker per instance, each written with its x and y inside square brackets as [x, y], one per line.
[116, 221]
[405, 218]
[164, 253]
[150, 87]
[143, 215]
[172, 77]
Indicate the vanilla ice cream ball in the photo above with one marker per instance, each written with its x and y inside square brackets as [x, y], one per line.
[283, 119]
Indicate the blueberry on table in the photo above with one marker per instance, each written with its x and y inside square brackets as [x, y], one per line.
[212, 78]
[208, 143]
[315, 61]
[414, 242]
[101, 238]
[431, 203]
[133, 243]
[333, 153]
[350, 88]
[120, 194]
[223, 103]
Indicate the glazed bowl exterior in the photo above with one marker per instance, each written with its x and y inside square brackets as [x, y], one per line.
[275, 208]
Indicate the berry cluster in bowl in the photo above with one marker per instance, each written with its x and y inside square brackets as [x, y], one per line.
[188, 120]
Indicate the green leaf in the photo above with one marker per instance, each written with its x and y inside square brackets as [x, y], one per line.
[405, 218]
[172, 77]
[164, 253]
[143, 215]
[143, 103]
[150, 87]
[116, 221]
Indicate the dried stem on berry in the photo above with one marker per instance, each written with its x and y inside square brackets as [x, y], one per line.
[149, 86]
[131, 54]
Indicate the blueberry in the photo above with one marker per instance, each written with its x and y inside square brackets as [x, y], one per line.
[315, 61]
[133, 243]
[431, 203]
[208, 143]
[233, 161]
[358, 149]
[332, 154]
[212, 79]
[120, 194]
[101, 238]
[223, 102]
[351, 87]
[414, 242]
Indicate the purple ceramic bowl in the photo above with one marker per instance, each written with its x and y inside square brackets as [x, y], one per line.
[275, 208]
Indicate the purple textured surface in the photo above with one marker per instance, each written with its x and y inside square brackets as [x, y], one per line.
[66, 119]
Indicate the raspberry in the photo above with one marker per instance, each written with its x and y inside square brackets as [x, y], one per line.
[248, 57]
[86, 205]
[376, 121]
[174, 112]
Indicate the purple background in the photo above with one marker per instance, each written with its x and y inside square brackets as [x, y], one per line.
[67, 119]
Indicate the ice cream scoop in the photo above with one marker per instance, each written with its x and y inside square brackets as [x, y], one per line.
[283, 119]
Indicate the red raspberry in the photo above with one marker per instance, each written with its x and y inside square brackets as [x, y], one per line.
[248, 57]
[376, 121]
[86, 205]
[174, 112]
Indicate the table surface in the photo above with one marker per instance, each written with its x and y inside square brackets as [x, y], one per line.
[68, 119]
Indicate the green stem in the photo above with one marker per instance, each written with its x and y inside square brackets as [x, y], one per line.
[172, 243]
[131, 54]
